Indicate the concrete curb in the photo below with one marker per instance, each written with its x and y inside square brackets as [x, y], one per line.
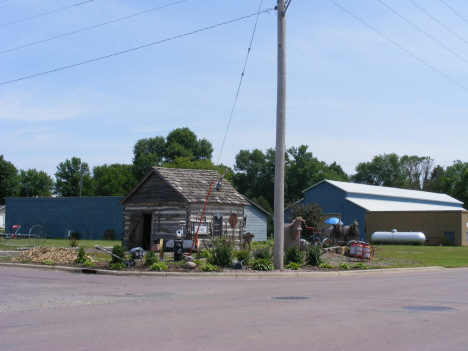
[244, 275]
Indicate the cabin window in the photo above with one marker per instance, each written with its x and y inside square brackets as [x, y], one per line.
[217, 226]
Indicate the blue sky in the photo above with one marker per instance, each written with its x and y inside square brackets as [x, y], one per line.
[351, 93]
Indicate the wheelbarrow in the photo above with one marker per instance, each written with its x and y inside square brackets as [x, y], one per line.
[128, 263]
[239, 265]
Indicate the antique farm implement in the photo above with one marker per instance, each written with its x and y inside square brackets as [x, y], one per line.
[128, 263]
[359, 251]
[36, 236]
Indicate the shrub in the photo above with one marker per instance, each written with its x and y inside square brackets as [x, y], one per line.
[343, 265]
[360, 265]
[446, 242]
[116, 265]
[262, 254]
[293, 255]
[89, 264]
[325, 265]
[82, 257]
[222, 254]
[262, 264]
[207, 267]
[118, 251]
[159, 266]
[150, 259]
[314, 255]
[198, 262]
[293, 265]
[74, 238]
[242, 255]
[206, 253]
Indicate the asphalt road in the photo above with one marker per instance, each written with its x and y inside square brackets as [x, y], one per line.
[51, 310]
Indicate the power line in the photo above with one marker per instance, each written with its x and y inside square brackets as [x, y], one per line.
[46, 13]
[240, 83]
[92, 27]
[399, 46]
[133, 49]
[435, 19]
[454, 11]
[438, 42]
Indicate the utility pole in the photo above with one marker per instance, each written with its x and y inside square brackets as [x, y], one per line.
[280, 140]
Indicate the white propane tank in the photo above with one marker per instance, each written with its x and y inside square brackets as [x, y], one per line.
[398, 238]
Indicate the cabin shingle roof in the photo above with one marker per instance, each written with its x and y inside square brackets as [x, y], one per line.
[193, 185]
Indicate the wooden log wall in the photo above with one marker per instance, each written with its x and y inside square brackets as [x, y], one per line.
[224, 210]
[165, 218]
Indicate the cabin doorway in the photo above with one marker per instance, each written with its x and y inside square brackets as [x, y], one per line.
[147, 225]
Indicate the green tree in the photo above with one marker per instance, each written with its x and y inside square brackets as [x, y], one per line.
[255, 173]
[34, 183]
[455, 181]
[335, 172]
[436, 180]
[182, 142]
[383, 170]
[187, 163]
[416, 171]
[68, 177]
[304, 170]
[9, 180]
[311, 213]
[147, 153]
[113, 180]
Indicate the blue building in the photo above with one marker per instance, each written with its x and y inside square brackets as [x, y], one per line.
[257, 219]
[379, 208]
[92, 215]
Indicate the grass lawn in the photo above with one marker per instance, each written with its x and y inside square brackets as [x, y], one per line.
[86, 244]
[405, 256]
[398, 256]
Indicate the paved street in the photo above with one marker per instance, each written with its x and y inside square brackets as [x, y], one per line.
[51, 310]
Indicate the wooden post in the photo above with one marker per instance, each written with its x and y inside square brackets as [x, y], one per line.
[280, 140]
[161, 249]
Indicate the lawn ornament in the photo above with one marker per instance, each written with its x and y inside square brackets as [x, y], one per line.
[292, 233]
[137, 253]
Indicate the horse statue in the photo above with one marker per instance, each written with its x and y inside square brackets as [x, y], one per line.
[335, 233]
[351, 232]
[292, 233]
